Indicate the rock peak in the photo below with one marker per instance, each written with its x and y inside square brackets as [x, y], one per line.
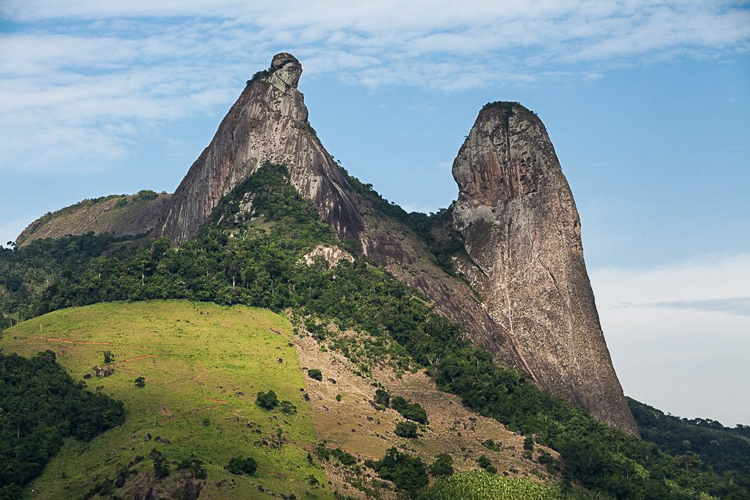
[268, 123]
[522, 232]
[286, 68]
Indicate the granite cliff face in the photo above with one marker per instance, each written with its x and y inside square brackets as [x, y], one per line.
[522, 234]
[267, 123]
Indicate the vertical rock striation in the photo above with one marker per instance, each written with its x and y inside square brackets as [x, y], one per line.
[522, 234]
[267, 123]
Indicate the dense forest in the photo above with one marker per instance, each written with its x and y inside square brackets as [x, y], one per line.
[254, 258]
[40, 405]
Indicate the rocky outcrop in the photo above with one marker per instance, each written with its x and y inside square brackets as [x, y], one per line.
[121, 215]
[268, 123]
[522, 234]
[332, 255]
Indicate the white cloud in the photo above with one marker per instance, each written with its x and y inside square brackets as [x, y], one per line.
[103, 68]
[679, 335]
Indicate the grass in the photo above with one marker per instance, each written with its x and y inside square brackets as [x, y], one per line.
[203, 364]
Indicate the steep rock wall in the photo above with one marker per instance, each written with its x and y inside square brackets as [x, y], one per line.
[267, 123]
[522, 234]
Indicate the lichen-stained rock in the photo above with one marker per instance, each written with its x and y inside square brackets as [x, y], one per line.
[267, 123]
[522, 234]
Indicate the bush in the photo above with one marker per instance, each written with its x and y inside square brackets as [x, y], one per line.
[382, 397]
[344, 457]
[314, 373]
[410, 411]
[287, 408]
[195, 466]
[528, 443]
[242, 466]
[442, 466]
[406, 429]
[486, 464]
[161, 468]
[267, 400]
[405, 471]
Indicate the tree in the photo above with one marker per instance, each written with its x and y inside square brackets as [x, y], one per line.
[140, 382]
[108, 357]
[242, 466]
[406, 429]
[442, 466]
[268, 400]
[315, 373]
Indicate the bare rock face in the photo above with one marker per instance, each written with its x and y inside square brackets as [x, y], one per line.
[268, 123]
[121, 215]
[332, 255]
[522, 234]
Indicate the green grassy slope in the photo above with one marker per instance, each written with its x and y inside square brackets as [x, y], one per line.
[203, 365]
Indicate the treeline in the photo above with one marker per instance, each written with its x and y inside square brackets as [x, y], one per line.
[254, 258]
[699, 442]
[40, 404]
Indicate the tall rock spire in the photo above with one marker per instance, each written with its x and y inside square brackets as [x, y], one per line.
[267, 123]
[522, 233]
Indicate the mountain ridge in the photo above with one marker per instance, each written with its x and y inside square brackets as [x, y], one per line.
[269, 123]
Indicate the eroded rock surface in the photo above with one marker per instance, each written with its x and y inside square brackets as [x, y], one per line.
[268, 123]
[332, 255]
[522, 234]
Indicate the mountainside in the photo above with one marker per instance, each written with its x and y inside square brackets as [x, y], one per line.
[203, 366]
[120, 215]
[373, 347]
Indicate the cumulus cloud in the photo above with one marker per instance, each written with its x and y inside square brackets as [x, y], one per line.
[679, 334]
[114, 70]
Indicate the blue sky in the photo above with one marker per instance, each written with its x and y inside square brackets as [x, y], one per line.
[646, 102]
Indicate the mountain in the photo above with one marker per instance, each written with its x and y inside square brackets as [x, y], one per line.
[515, 215]
[120, 215]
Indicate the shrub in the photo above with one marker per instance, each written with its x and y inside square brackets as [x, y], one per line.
[410, 411]
[528, 443]
[268, 400]
[486, 464]
[442, 466]
[195, 466]
[315, 373]
[161, 468]
[242, 466]
[406, 429]
[382, 397]
[287, 408]
[342, 456]
[405, 471]
[140, 382]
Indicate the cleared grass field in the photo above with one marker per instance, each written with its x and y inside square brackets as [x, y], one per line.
[203, 365]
